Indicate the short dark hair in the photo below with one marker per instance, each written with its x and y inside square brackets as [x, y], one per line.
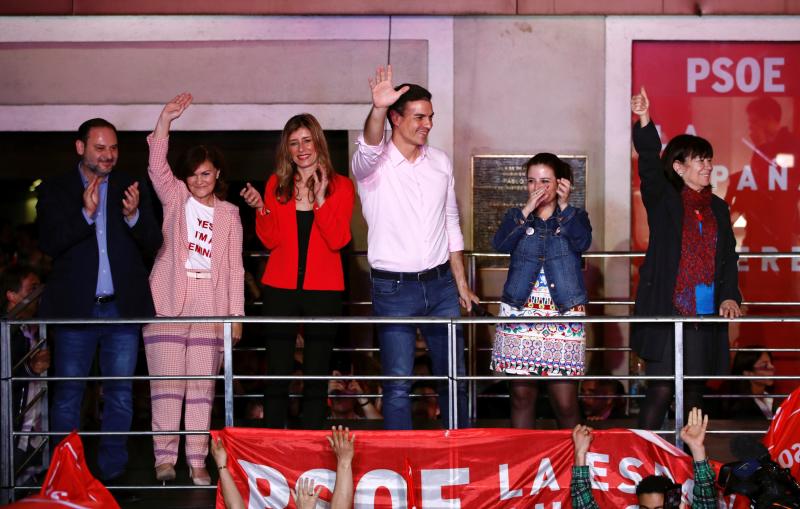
[414, 93]
[682, 148]
[654, 484]
[11, 281]
[83, 130]
[561, 168]
[197, 155]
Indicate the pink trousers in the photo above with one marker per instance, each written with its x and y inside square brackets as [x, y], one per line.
[184, 349]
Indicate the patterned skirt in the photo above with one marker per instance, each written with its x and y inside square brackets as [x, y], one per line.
[539, 349]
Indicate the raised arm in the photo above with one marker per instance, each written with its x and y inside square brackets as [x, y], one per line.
[647, 143]
[230, 493]
[342, 444]
[166, 185]
[383, 96]
[365, 158]
[172, 110]
[581, 483]
[694, 435]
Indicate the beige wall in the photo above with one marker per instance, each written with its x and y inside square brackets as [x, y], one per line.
[526, 85]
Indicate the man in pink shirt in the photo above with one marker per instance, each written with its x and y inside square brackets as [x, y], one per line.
[414, 242]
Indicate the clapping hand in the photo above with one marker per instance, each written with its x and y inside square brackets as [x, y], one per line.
[640, 106]
[383, 93]
[320, 186]
[91, 195]
[130, 202]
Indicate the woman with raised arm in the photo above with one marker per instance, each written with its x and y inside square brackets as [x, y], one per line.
[545, 238]
[690, 266]
[191, 277]
[304, 220]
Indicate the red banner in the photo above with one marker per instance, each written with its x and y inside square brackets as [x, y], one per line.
[743, 98]
[69, 482]
[783, 437]
[475, 468]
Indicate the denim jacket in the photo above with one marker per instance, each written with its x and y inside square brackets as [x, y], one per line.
[556, 244]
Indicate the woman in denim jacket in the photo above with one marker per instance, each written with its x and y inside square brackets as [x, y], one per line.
[545, 238]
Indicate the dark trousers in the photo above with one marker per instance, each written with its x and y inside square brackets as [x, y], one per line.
[318, 343]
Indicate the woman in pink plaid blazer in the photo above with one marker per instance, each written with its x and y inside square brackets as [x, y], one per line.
[190, 278]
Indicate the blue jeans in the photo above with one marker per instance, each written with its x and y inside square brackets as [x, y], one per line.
[437, 298]
[75, 349]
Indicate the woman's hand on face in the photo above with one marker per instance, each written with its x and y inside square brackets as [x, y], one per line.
[563, 191]
[534, 200]
[640, 106]
[252, 197]
[730, 309]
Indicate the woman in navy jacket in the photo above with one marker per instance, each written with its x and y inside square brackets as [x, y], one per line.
[690, 266]
[545, 238]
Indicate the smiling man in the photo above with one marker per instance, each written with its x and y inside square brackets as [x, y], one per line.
[414, 241]
[96, 224]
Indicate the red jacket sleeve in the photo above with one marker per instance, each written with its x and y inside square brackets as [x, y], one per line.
[267, 225]
[333, 217]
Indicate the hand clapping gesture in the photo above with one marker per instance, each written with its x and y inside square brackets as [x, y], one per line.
[91, 195]
[130, 202]
[171, 111]
[383, 93]
[640, 106]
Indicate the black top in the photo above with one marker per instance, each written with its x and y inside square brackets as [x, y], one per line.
[305, 219]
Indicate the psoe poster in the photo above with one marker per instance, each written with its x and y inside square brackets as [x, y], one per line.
[744, 97]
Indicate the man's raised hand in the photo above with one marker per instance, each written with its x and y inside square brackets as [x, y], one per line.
[383, 92]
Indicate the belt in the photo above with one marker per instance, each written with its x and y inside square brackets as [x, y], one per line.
[104, 299]
[198, 275]
[425, 275]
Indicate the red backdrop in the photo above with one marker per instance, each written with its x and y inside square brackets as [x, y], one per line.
[743, 98]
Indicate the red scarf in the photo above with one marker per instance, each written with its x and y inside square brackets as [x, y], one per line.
[698, 245]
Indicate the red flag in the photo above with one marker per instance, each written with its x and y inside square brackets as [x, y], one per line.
[783, 437]
[69, 482]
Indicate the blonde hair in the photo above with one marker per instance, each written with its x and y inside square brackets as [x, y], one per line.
[285, 168]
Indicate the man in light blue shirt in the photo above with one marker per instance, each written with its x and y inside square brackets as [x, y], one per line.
[96, 225]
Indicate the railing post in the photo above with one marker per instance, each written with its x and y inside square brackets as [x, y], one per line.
[452, 373]
[472, 357]
[46, 406]
[6, 417]
[227, 328]
[678, 383]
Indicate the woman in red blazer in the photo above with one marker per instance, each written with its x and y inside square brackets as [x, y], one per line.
[304, 220]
